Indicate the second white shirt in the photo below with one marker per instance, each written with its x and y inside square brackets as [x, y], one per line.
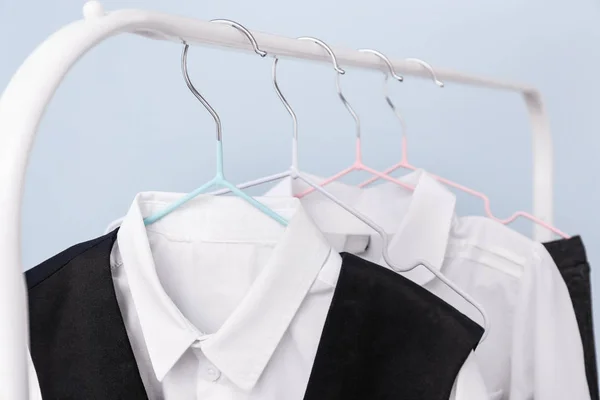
[534, 348]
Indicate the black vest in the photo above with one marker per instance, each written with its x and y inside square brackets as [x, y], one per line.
[571, 260]
[384, 337]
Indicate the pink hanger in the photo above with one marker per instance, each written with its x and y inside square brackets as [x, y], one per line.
[405, 164]
[358, 164]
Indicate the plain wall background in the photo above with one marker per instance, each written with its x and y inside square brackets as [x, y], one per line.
[123, 121]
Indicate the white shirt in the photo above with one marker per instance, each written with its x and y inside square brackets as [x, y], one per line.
[534, 349]
[222, 303]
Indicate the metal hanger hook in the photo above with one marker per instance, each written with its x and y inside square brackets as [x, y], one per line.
[196, 93]
[429, 68]
[339, 71]
[191, 86]
[324, 45]
[245, 31]
[283, 99]
[399, 78]
[387, 62]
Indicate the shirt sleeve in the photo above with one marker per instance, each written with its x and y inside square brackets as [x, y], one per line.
[547, 353]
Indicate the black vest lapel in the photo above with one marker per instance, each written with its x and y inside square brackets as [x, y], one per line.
[79, 344]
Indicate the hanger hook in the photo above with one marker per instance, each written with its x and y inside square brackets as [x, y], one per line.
[190, 85]
[195, 92]
[324, 45]
[429, 68]
[399, 78]
[283, 99]
[387, 62]
[245, 31]
[385, 87]
[339, 71]
[290, 111]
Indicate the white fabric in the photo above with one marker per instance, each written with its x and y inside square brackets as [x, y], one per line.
[469, 384]
[534, 349]
[223, 303]
[34, 385]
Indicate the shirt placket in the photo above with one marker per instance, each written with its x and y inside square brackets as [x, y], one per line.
[208, 376]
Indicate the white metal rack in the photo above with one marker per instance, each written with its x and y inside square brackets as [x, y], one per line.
[25, 99]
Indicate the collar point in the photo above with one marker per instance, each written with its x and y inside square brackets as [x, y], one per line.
[160, 373]
[246, 384]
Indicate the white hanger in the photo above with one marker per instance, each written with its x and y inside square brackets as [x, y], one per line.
[295, 173]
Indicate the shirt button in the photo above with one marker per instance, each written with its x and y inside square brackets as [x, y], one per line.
[213, 374]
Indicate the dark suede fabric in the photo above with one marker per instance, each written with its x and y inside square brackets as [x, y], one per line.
[570, 258]
[387, 338]
[79, 345]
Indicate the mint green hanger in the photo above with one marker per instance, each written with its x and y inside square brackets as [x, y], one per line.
[219, 180]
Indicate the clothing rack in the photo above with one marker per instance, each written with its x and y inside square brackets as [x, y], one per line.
[25, 99]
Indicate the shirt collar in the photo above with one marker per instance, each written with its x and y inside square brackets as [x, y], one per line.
[244, 344]
[420, 231]
[418, 221]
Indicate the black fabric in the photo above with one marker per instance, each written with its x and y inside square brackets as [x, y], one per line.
[79, 344]
[571, 260]
[386, 338]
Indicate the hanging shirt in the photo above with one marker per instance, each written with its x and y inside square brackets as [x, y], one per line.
[219, 302]
[533, 350]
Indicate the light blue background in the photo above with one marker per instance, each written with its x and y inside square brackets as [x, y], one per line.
[123, 120]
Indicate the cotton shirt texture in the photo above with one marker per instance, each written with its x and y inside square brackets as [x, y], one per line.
[533, 349]
[221, 302]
